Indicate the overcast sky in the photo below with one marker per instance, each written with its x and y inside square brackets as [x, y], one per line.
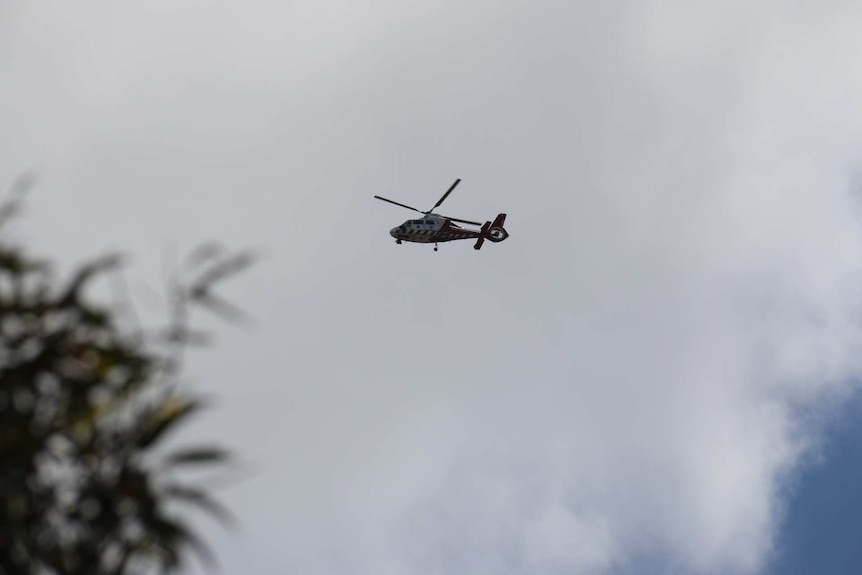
[634, 382]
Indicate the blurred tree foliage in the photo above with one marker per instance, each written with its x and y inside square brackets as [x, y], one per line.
[86, 400]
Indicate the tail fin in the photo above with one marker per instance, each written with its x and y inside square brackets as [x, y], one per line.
[482, 234]
[494, 232]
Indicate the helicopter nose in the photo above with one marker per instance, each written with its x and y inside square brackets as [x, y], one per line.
[393, 232]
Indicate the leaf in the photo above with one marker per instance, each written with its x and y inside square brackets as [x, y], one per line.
[221, 307]
[173, 535]
[197, 455]
[204, 253]
[229, 266]
[85, 274]
[201, 499]
[20, 187]
[16, 263]
[169, 414]
[185, 335]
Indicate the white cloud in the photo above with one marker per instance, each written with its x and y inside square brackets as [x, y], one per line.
[621, 378]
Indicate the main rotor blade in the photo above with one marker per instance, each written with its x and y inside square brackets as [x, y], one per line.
[465, 221]
[399, 204]
[449, 191]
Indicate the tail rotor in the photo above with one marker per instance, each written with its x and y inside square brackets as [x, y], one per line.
[493, 232]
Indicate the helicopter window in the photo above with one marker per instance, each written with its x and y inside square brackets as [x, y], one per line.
[429, 222]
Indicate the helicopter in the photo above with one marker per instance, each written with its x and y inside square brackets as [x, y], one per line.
[434, 228]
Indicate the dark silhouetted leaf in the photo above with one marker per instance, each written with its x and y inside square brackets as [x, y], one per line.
[196, 456]
[228, 267]
[172, 535]
[86, 273]
[199, 498]
[167, 416]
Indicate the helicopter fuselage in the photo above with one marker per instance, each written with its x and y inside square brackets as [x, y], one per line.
[431, 229]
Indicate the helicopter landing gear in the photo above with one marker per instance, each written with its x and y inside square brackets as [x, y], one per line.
[398, 242]
[435, 247]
